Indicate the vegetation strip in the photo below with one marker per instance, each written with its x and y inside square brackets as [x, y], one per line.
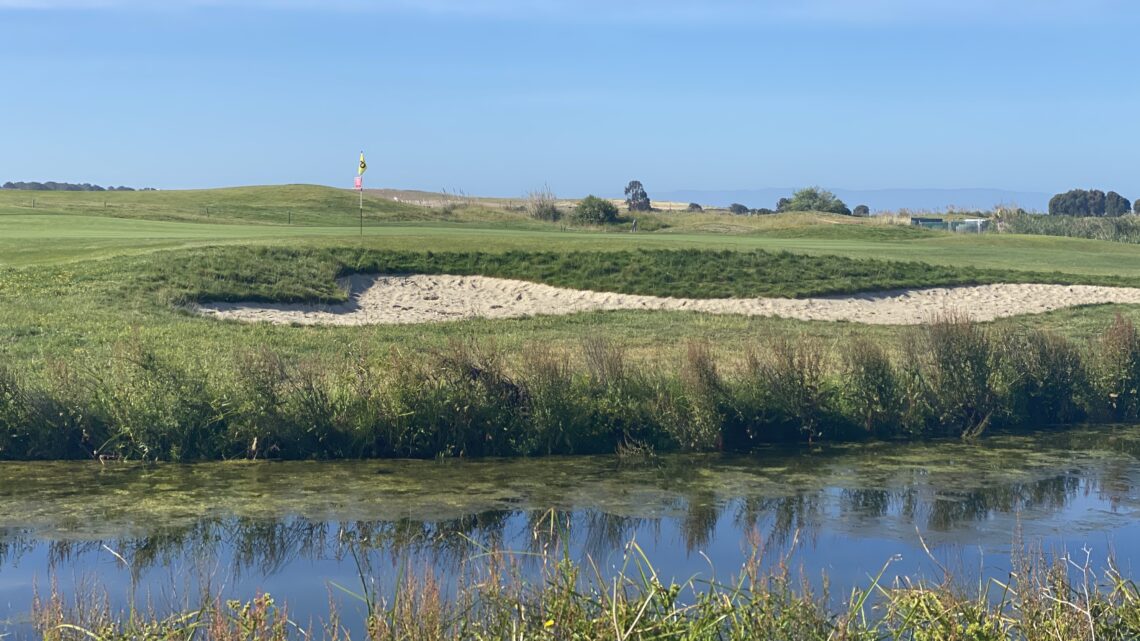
[952, 378]
[494, 598]
[278, 275]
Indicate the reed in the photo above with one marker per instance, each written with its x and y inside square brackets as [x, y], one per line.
[950, 378]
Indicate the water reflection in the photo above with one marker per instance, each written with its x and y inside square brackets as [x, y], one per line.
[268, 516]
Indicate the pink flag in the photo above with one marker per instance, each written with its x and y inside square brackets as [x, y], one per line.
[359, 183]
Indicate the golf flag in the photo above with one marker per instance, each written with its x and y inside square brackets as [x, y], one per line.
[363, 165]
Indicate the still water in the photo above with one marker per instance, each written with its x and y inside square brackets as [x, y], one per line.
[159, 531]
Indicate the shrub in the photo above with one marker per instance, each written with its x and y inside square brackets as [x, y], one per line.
[956, 368]
[871, 394]
[1116, 378]
[595, 211]
[1044, 378]
[558, 414]
[738, 209]
[861, 210]
[813, 199]
[695, 207]
[705, 398]
[541, 204]
[784, 397]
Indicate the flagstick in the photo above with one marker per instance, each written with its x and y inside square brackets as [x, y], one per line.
[362, 205]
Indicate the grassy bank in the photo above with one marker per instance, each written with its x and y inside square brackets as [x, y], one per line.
[290, 275]
[495, 599]
[952, 378]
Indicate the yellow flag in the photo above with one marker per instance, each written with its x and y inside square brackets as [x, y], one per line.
[363, 165]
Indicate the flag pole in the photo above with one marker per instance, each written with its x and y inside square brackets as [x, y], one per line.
[361, 190]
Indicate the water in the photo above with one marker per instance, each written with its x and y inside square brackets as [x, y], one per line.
[159, 531]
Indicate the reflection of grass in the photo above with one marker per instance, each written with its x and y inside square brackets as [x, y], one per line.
[494, 598]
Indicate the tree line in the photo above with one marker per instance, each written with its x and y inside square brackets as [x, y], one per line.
[807, 199]
[51, 185]
[1091, 202]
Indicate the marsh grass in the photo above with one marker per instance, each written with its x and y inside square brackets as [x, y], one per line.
[950, 378]
[1121, 229]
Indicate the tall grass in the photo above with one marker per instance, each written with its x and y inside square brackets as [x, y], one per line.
[1121, 229]
[950, 378]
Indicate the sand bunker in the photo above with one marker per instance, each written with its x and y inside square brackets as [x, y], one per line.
[428, 299]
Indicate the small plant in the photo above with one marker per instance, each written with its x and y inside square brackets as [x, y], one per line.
[541, 204]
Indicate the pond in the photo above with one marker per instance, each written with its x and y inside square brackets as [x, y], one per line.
[308, 531]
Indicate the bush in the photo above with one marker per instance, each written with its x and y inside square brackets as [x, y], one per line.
[954, 357]
[738, 209]
[787, 396]
[862, 210]
[595, 211]
[705, 399]
[813, 199]
[871, 394]
[1116, 378]
[1045, 381]
[695, 207]
[541, 205]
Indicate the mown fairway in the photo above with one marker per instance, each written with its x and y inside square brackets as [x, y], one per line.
[69, 226]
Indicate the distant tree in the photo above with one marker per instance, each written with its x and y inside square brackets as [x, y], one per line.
[1116, 205]
[813, 199]
[695, 207]
[51, 185]
[738, 209]
[592, 210]
[1079, 202]
[763, 211]
[862, 210]
[636, 198]
[1136, 206]
[1097, 200]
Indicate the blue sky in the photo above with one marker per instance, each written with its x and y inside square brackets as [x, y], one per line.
[500, 96]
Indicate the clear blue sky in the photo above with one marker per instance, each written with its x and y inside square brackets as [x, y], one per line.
[500, 96]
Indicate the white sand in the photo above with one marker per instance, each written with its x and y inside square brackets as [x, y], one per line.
[427, 299]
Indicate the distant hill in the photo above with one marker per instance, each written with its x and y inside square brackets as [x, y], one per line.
[51, 185]
[876, 199]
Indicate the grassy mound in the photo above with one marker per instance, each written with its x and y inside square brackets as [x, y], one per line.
[268, 274]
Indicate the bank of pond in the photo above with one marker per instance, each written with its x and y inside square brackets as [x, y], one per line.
[949, 378]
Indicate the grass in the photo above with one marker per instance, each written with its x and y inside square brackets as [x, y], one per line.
[79, 283]
[307, 275]
[471, 398]
[496, 596]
